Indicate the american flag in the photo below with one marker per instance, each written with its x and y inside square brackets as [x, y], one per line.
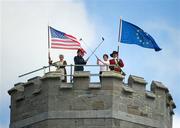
[61, 40]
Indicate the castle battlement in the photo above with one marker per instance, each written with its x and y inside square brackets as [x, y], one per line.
[46, 102]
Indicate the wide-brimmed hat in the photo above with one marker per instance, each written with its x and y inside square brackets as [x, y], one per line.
[114, 52]
[81, 50]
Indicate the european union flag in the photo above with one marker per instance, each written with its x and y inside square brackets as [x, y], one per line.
[132, 34]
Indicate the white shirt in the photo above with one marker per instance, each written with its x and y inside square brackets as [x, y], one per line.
[104, 65]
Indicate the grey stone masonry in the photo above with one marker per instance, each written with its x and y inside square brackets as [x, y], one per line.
[46, 102]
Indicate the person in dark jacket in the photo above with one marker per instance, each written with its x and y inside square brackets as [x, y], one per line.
[79, 60]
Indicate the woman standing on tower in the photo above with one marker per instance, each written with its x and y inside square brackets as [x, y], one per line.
[60, 67]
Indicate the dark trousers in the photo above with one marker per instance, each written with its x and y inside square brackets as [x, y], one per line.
[100, 78]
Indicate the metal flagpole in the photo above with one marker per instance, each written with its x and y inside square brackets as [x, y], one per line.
[119, 39]
[49, 57]
[95, 49]
[87, 46]
[119, 34]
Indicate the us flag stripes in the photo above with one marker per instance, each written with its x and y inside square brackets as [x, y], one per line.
[61, 40]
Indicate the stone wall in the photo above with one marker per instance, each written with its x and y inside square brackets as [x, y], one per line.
[46, 102]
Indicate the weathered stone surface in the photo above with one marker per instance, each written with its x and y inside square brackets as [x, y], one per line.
[49, 103]
[94, 85]
[133, 110]
[18, 87]
[98, 105]
[128, 89]
[81, 74]
[81, 80]
[111, 74]
[137, 83]
[34, 78]
[136, 79]
[66, 85]
[150, 95]
[51, 75]
[158, 85]
[36, 91]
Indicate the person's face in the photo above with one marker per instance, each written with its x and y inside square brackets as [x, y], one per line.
[115, 55]
[61, 58]
[82, 54]
[79, 53]
[105, 58]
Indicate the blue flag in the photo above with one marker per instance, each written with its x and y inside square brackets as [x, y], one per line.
[132, 34]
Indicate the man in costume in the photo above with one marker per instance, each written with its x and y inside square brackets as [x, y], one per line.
[118, 63]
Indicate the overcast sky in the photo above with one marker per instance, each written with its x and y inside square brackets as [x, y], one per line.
[23, 34]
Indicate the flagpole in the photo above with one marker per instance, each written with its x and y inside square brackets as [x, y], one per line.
[49, 57]
[119, 35]
[95, 49]
[87, 46]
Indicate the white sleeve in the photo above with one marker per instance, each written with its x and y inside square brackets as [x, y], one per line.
[100, 63]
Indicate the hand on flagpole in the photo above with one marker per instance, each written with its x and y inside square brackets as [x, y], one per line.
[50, 61]
[97, 59]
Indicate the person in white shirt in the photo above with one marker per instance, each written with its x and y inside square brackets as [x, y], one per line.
[60, 67]
[104, 64]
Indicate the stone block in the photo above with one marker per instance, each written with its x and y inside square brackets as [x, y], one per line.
[145, 114]
[158, 88]
[98, 105]
[113, 74]
[111, 80]
[81, 74]
[137, 83]
[52, 75]
[81, 80]
[128, 89]
[20, 97]
[18, 87]
[36, 91]
[133, 110]
[20, 83]
[94, 85]
[150, 95]
[34, 78]
[66, 85]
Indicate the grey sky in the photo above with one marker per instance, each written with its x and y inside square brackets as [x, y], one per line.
[24, 38]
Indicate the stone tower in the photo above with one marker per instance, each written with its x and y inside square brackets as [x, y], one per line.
[45, 102]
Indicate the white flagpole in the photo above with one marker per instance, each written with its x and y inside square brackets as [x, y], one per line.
[120, 30]
[119, 34]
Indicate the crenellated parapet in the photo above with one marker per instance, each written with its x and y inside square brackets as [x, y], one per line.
[111, 103]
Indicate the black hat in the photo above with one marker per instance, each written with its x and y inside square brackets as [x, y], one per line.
[114, 52]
